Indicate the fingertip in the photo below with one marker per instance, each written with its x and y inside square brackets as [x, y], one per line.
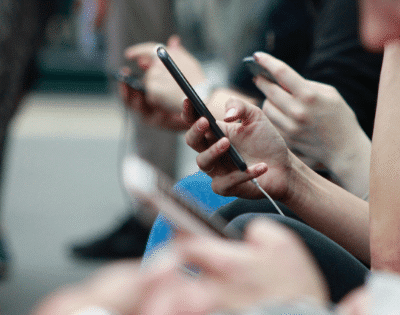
[230, 114]
[257, 55]
[262, 229]
[128, 53]
[202, 124]
[260, 169]
[174, 41]
[223, 144]
[186, 103]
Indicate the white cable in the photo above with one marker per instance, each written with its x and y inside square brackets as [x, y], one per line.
[254, 181]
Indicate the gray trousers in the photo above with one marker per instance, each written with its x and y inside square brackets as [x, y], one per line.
[131, 22]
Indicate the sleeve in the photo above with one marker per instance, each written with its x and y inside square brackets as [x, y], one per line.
[339, 59]
[384, 290]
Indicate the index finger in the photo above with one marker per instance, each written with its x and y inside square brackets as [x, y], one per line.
[141, 50]
[212, 255]
[189, 114]
[288, 78]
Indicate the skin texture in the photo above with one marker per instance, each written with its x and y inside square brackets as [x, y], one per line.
[161, 105]
[385, 167]
[270, 264]
[316, 122]
[380, 25]
[319, 202]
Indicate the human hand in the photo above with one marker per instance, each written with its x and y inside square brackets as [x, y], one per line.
[256, 140]
[127, 289]
[272, 264]
[161, 88]
[151, 114]
[356, 303]
[315, 120]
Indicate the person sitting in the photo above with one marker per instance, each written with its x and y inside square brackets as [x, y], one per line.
[325, 63]
[270, 272]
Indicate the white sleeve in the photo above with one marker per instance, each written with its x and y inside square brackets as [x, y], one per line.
[384, 289]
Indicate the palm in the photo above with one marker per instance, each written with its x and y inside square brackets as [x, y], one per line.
[257, 141]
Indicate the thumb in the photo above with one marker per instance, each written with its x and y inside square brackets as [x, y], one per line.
[237, 109]
[174, 41]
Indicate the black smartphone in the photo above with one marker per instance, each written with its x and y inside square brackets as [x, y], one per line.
[256, 69]
[155, 189]
[198, 104]
[134, 81]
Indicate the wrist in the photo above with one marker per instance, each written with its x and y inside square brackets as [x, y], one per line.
[350, 167]
[298, 179]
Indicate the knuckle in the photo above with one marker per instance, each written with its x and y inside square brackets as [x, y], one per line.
[294, 130]
[300, 115]
[218, 188]
[331, 90]
[309, 97]
[280, 73]
[189, 140]
[200, 163]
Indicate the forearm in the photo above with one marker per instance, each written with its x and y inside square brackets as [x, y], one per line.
[329, 209]
[351, 168]
[385, 167]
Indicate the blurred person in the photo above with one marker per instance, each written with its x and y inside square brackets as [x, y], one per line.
[126, 22]
[234, 280]
[131, 22]
[22, 32]
[381, 297]
[321, 204]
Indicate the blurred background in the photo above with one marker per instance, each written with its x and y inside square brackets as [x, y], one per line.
[61, 175]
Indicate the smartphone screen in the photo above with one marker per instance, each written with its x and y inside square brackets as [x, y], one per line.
[198, 104]
[155, 189]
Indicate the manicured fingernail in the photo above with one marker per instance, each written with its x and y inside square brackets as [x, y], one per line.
[230, 113]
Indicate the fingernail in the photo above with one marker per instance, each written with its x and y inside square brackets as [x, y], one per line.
[222, 144]
[260, 168]
[256, 56]
[230, 113]
[198, 126]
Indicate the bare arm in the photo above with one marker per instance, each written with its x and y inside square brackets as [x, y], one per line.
[331, 210]
[322, 204]
[385, 167]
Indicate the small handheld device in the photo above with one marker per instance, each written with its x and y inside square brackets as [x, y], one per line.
[155, 189]
[198, 104]
[134, 81]
[256, 69]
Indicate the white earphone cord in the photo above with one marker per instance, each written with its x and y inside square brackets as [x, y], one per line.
[254, 181]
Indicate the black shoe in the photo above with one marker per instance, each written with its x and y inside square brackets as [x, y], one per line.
[127, 241]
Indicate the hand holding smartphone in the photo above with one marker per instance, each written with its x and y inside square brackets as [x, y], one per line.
[198, 104]
[134, 81]
[155, 189]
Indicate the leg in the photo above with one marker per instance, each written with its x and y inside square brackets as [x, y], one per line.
[342, 271]
[241, 206]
